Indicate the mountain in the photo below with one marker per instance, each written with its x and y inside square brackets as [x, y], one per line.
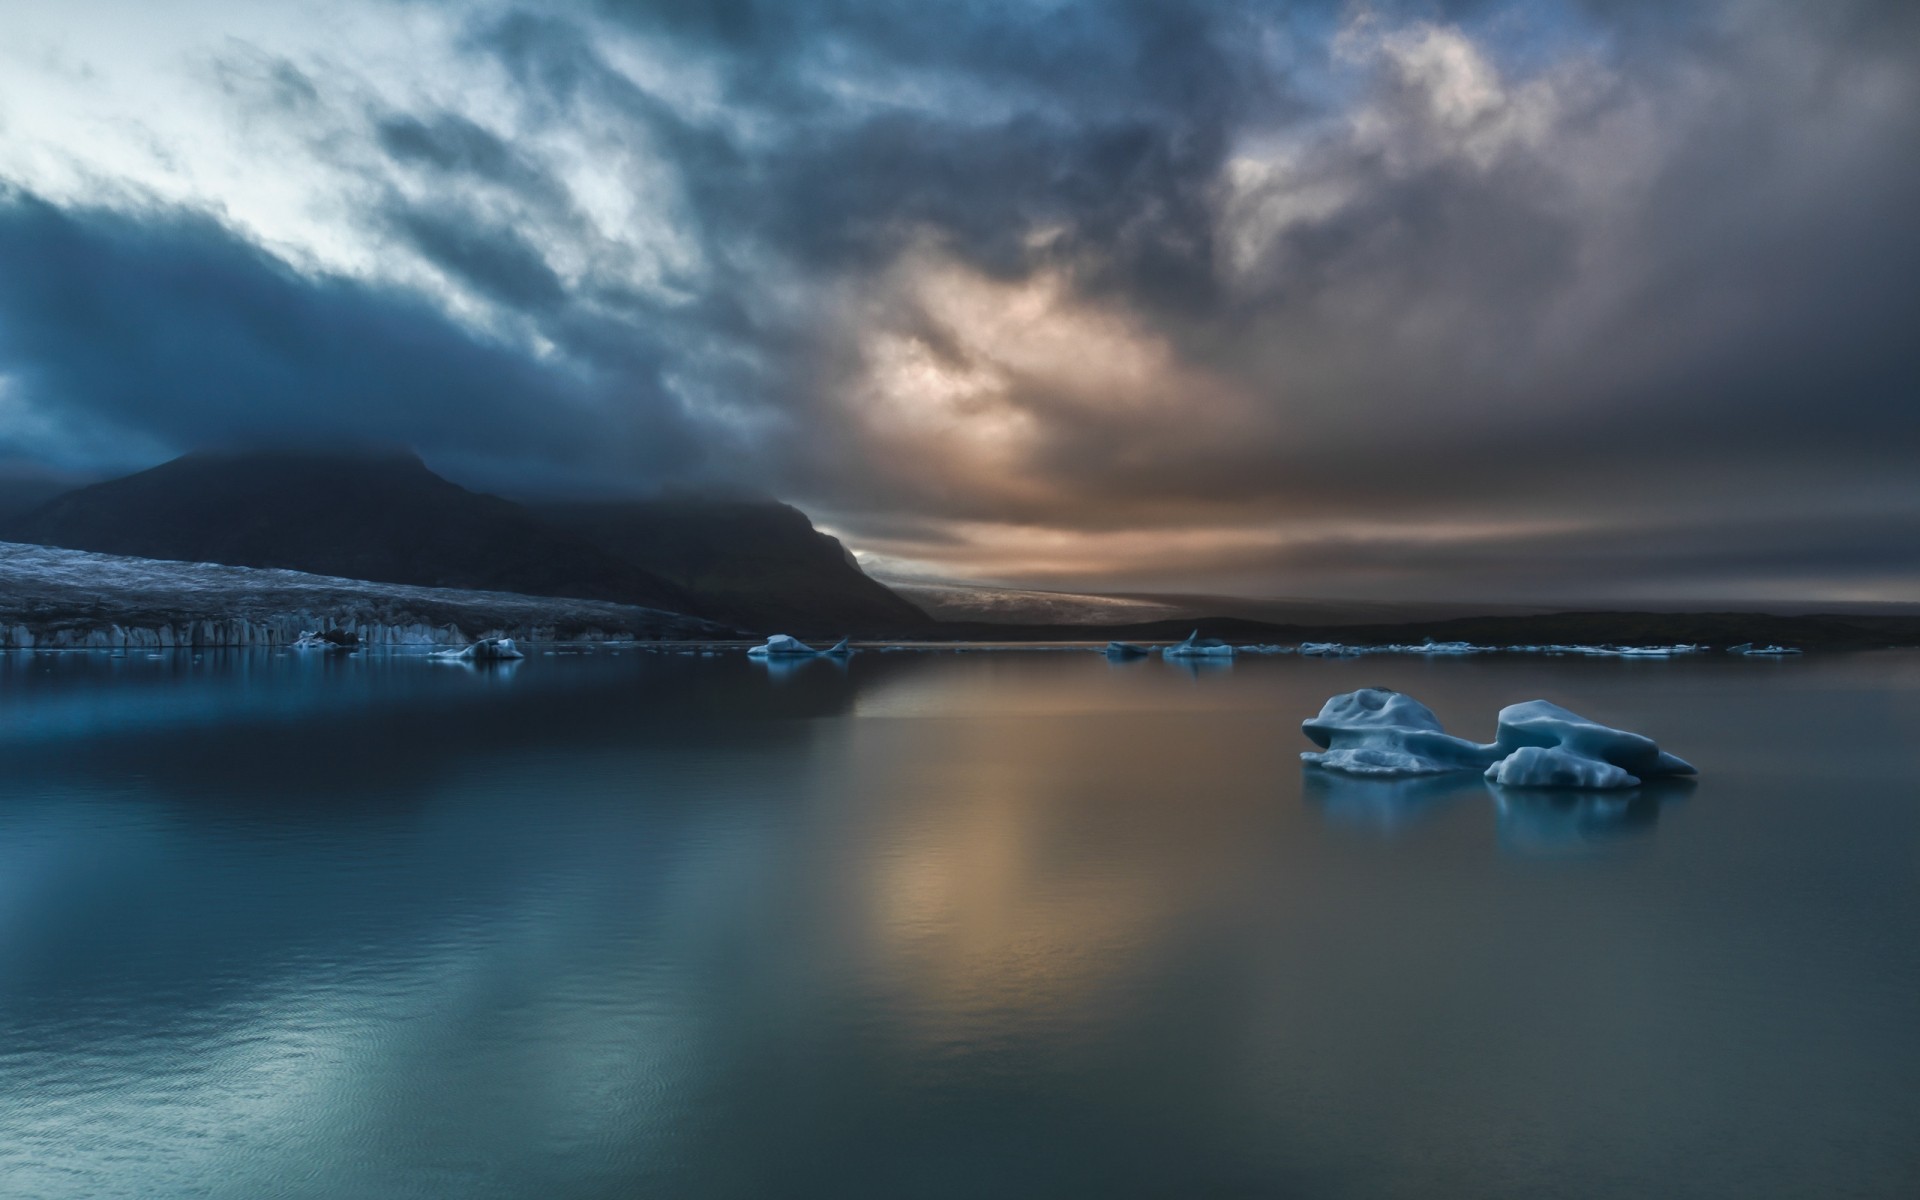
[758, 563]
[23, 490]
[377, 515]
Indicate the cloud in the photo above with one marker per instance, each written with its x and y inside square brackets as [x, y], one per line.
[168, 330]
[1270, 294]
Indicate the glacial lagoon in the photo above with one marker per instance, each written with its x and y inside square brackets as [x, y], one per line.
[932, 924]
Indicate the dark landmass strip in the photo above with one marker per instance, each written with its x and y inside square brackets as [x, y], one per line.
[758, 563]
[1810, 631]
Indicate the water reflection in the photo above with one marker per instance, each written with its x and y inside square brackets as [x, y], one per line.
[1539, 822]
[1531, 822]
[498, 669]
[1010, 925]
[779, 667]
[1387, 805]
[1196, 666]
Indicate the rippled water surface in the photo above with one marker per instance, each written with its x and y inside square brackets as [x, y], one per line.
[942, 925]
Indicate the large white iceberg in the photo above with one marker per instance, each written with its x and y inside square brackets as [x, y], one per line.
[1540, 726]
[1378, 732]
[782, 646]
[491, 650]
[1198, 647]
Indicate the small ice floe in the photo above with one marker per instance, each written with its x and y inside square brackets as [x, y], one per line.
[1126, 650]
[487, 650]
[1198, 647]
[1648, 651]
[1461, 649]
[1329, 650]
[781, 645]
[1753, 651]
[1378, 732]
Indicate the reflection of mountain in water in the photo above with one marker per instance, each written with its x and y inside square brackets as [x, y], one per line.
[211, 727]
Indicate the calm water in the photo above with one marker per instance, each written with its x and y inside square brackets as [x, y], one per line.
[942, 925]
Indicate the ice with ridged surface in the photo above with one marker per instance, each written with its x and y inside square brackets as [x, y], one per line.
[1381, 732]
[781, 645]
[1557, 767]
[1544, 725]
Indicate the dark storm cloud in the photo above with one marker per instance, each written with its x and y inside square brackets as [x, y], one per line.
[489, 255]
[1784, 558]
[168, 327]
[1628, 268]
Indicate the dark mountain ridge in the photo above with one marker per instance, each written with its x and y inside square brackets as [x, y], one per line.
[380, 514]
[759, 561]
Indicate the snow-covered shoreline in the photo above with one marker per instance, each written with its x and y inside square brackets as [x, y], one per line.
[76, 600]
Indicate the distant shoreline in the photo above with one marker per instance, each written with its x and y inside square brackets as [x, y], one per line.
[68, 599]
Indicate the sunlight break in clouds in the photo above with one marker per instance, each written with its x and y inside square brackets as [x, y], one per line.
[1130, 282]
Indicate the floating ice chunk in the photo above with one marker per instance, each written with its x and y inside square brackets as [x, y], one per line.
[1538, 723]
[1327, 649]
[1381, 732]
[782, 646]
[1753, 651]
[1126, 650]
[1198, 647]
[840, 648]
[491, 650]
[1432, 647]
[1557, 767]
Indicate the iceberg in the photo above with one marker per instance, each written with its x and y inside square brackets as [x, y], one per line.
[1542, 724]
[1753, 651]
[839, 649]
[1126, 650]
[782, 646]
[490, 650]
[1381, 733]
[1557, 767]
[1198, 647]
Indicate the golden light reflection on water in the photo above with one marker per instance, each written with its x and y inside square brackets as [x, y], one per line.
[1032, 862]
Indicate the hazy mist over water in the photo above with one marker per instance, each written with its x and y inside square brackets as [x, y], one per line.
[957, 924]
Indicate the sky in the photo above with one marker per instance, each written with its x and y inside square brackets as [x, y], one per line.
[1580, 301]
